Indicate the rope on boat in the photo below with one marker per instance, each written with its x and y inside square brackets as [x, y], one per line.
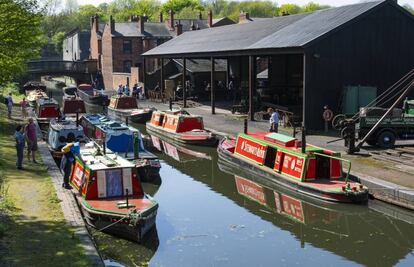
[112, 224]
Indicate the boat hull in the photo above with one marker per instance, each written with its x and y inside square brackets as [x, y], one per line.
[187, 138]
[255, 169]
[141, 117]
[101, 100]
[127, 230]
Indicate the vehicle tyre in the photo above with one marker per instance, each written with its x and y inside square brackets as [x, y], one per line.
[386, 139]
[337, 121]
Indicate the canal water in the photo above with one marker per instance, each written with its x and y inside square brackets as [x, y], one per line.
[213, 215]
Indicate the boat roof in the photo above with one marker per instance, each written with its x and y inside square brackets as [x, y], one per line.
[282, 140]
[95, 160]
[96, 118]
[114, 125]
[47, 101]
[64, 124]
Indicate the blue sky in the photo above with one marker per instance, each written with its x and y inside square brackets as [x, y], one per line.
[280, 2]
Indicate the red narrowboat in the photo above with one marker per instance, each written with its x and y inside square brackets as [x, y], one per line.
[317, 172]
[124, 106]
[181, 127]
[73, 105]
[45, 110]
[111, 196]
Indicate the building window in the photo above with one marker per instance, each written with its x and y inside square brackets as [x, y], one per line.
[127, 66]
[127, 47]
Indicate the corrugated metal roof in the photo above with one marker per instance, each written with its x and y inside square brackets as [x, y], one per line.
[279, 32]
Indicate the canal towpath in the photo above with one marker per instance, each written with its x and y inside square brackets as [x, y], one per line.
[389, 182]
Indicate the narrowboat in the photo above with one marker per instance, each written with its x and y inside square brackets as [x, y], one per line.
[111, 195]
[181, 127]
[33, 95]
[122, 107]
[317, 172]
[91, 95]
[60, 131]
[73, 106]
[124, 140]
[34, 85]
[70, 91]
[45, 110]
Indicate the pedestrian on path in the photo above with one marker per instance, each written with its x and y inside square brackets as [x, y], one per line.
[69, 151]
[19, 137]
[9, 103]
[120, 90]
[327, 117]
[31, 138]
[24, 105]
[274, 120]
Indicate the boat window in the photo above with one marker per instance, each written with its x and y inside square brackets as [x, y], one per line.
[113, 183]
[270, 157]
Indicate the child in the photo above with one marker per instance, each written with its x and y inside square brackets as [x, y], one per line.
[23, 105]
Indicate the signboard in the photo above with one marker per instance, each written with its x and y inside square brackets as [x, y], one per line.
[78, 175]
[156, 142]
[250, 190]
[171, 150]
[292, 165]
[251, 149]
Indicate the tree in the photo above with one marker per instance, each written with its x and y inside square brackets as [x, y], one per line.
[57, 39]
[409, 8]
[20, 36]
[312, 6]
[289, 8]
[178, 5]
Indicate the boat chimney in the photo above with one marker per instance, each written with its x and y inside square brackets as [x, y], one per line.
[104, 143]
[136, 145]
[77, 119]
[127, 204]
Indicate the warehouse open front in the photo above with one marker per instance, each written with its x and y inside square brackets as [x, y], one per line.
[310, 59]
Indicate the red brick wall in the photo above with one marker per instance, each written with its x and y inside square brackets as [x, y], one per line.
[119, 56]
[94, 43]
[121, 78]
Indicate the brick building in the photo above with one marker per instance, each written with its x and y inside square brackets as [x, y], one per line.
[118, 46]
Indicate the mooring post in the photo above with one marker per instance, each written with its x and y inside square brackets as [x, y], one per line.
[77, 119]
[103, 143]
[294, 131]
[245, 126]
[170, 103]
[127, 120]
[136, 145]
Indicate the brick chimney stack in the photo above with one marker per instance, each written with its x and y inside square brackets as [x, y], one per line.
[171, 19]
[112, 24]
[178, 28]
[200, 15]
[210, 18]
[141, 22]
[94, 23]
[244, 16]
[161, 18]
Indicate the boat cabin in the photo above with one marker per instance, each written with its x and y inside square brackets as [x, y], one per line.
[47, 108]
[176, 121]
[123, 102]
[283, 154]
[73, 106]
[89, 123]
[98, 176]
[62, 130]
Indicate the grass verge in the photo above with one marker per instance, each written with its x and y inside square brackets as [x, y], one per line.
[33, 231]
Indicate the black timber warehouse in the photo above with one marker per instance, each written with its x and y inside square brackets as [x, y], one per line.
[311, 57]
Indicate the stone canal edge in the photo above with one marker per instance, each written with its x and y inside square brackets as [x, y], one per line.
[378, 189]
[70, 209]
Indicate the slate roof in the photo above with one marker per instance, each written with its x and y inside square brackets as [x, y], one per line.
[151, 29]
[293, 31]
[203, 65]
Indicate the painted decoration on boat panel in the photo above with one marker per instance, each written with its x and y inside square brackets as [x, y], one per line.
[251, 150]
[250, 190]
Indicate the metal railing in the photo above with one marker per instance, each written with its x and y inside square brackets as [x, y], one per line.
[56, 66]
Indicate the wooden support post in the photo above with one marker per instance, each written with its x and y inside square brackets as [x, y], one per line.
[303, 147]
[144, 80]
[162, 80]
[252, 84]
[184, 83]
[213, 100]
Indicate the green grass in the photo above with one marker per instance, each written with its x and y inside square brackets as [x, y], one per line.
[33, 231]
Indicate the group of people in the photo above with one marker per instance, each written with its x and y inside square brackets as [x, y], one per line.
[9, 103]
[125, 90]
[26, 135]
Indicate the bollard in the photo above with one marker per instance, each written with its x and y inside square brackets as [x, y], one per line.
[245, 126]
[170, 103]
[136, 145]
[127, 120]
[104, 143]
[294, 131]
[77, 119]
